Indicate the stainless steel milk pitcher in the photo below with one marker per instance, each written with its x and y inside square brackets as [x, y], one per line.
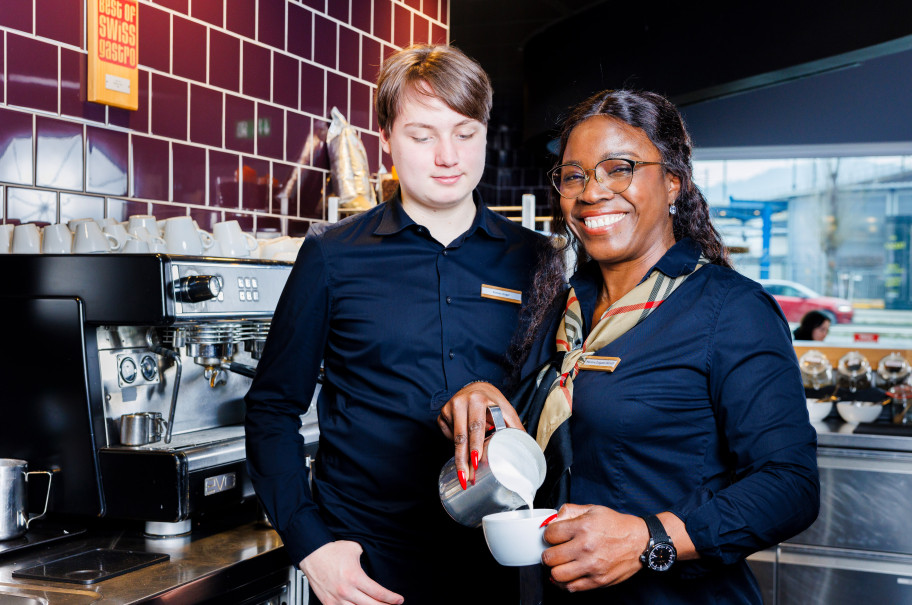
[505, 448]
[13, 481]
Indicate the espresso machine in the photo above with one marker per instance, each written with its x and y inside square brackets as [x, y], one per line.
[96, 343]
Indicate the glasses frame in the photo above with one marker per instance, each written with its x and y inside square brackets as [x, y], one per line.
[634, 164]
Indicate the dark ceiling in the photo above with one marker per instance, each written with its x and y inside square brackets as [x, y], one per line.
[545, 55]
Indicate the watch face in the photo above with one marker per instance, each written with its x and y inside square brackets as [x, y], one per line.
[661, 557]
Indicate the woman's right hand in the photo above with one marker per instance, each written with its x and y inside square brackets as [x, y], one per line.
[464, 419]
[336, 577]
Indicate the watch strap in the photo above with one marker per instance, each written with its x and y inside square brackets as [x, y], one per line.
[656, 530]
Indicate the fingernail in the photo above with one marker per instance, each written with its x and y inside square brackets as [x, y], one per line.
[475, 459]
[462, 479]
[549, 520]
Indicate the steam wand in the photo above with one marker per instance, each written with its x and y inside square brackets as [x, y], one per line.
[160, 350]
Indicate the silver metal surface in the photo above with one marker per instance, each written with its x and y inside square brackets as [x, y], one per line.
[856, 489]
[203, 567]
[200, 406]
[840, 577]
[168, 529]
[246, 291]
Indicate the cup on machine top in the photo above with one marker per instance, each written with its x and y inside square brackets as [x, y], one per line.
[26, 239]
[183, 237]
[90, 239]
[57, 239]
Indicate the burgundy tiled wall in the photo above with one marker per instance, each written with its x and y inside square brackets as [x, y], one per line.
[235, 98]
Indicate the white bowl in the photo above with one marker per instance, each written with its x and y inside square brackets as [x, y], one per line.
[858, 411]
[818, 410]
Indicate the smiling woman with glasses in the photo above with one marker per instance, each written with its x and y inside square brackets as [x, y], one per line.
[677, 390]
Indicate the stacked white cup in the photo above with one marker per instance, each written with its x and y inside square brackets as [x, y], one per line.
[6, 238]
[231, 241]
[57, 239]
[26, 239]
[182, 236]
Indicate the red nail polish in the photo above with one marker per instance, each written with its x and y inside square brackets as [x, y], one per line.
[462, 479]
[475, 459]
[549, 520]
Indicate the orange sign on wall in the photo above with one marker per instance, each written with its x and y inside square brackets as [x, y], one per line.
[113, 41]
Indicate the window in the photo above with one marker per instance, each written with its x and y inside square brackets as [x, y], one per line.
[826, 233]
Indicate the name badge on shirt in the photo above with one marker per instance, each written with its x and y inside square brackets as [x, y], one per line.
[504, 294]
[602, 364]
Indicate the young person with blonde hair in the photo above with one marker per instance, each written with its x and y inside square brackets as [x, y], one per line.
[404, 304]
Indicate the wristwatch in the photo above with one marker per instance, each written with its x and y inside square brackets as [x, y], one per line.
[660, 553]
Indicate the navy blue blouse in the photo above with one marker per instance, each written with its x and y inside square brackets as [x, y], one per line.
[704, 417]
[401, 322]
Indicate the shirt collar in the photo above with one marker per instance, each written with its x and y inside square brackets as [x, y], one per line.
[678, 260]
[395, 219]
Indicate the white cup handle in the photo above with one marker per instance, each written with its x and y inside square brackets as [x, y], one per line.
[252, 244]
[113, 242]
[207, 240]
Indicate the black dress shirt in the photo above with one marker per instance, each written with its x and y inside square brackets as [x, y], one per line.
[401, 323]
[704, 416]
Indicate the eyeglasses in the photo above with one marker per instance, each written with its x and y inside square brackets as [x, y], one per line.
[616, 174]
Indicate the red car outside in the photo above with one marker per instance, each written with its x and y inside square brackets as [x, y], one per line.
[797, 299]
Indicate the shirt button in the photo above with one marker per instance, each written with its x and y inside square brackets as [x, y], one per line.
[452, 354]
[444, 252]
[449, 299]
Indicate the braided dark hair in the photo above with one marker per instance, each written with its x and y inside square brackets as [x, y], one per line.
[660, 120]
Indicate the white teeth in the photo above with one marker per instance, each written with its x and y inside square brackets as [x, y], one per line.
[602, 221]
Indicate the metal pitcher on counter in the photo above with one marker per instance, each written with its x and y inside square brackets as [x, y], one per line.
[13, 480]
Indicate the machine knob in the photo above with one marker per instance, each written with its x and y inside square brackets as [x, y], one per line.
[197, 288]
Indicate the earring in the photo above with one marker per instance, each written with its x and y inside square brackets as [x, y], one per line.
[672, 210]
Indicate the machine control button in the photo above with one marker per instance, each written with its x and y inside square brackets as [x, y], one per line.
[256, 295]
[247, 282]
[197, 288]
[128, 370]
[240, 282]
[253, 282]
[148, 368]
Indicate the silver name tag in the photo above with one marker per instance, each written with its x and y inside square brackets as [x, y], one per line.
[220, 483]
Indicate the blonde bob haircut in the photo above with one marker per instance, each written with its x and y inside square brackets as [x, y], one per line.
[444, 72]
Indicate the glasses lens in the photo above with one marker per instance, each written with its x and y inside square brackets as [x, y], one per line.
[569, 180]
[615, 174]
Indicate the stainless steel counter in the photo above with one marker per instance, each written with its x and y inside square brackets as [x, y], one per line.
[221, 565]
[838, 434]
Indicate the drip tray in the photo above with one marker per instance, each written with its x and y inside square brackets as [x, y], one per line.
[91, 566]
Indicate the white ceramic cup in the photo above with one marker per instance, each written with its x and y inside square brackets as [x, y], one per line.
[263, 245]
[90, 239]
[135, 246]
[119, 233]
[26, 239]
[6, 238]
[515, 537]
[57, 239]
[232, 241]
[284, 247]
[75, 222]
[144, 220]
[155, 244]
[183, 237]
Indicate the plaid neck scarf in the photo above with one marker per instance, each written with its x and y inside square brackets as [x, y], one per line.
[620, 317]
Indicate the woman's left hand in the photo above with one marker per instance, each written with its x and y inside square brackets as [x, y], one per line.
[593, 546]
